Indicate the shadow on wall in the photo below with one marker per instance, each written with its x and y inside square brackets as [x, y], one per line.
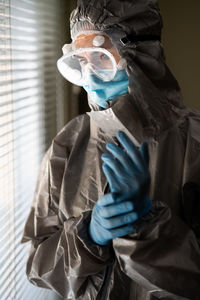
[181, 39]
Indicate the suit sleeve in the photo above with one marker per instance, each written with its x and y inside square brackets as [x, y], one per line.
[163, 255]
[62, 257]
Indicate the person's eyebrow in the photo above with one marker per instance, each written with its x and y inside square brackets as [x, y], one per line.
[78, 56]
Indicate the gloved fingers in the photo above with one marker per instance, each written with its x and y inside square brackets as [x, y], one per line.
[132, 150]
[98, 234]
[112, 179]
[116, 209]
[145, 152]
[103, 236]
[122, 231]
[126, 195]
[120, 155]
[118, 221]
[114, 165]
[106, 200]
[122, 185]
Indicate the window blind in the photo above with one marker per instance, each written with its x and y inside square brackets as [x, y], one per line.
[30, 44]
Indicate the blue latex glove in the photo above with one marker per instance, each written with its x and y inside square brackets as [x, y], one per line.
[128, 176]
[111, 219]
[127, 173]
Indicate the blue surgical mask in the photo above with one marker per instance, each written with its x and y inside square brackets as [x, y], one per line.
[100, 91]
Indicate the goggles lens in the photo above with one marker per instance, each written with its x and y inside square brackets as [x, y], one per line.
[78, 65]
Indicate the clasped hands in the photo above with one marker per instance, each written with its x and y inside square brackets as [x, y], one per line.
[127, 172]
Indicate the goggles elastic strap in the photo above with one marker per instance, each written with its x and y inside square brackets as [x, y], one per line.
[132, 38]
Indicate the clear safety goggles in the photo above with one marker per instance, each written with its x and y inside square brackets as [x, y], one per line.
[90, 53]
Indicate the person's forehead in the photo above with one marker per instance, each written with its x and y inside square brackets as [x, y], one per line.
[88, 41]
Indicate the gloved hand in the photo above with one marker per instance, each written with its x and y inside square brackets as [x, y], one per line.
[127, 173]
[128, 176]
[111, 219]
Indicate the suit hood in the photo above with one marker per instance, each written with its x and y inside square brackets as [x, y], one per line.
[135, 29]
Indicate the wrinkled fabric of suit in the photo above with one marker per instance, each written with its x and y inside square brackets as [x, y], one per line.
[161, 258]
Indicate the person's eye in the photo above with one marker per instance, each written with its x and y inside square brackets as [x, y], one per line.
[104, 57]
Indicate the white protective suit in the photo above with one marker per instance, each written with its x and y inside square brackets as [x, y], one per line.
[161, 259]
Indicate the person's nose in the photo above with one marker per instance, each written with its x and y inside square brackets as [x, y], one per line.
[90, 61]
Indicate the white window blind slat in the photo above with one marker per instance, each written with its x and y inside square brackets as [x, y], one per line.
[7, 268]
[29, 128]
[18, 47]
[19, 96]
[24, 121]
[19, 68]
[5, 222]
[5, 242]
[5, 277]
[8, 291]
[7, 106]
[20, 217]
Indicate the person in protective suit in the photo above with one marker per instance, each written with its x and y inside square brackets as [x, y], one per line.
[116, 207]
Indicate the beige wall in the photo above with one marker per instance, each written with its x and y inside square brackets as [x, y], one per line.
[181, 39]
